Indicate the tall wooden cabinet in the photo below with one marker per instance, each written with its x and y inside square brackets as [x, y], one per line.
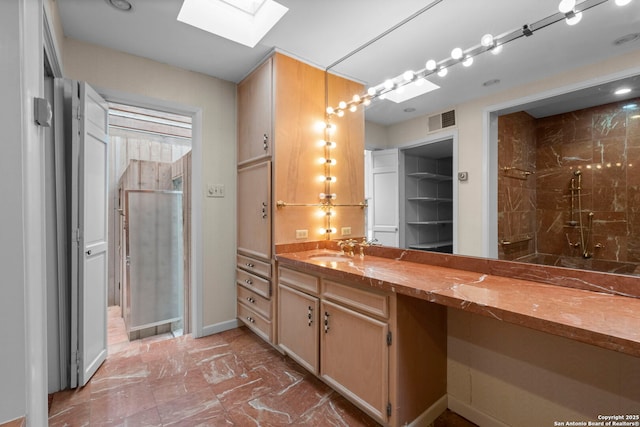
[279, 106]
[384, 352]
[254, 210]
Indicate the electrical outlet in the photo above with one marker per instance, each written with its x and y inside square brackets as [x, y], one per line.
[302, 234]
[345, 231]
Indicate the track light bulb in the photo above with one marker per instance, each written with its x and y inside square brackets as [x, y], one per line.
[623, 2]
[456, 53]
[443, 72]
[329, 110]
[468, 61]
[496, 49]
[408, 75]
[566, 6]
[486, 40]
[388, 84]
[431, 65]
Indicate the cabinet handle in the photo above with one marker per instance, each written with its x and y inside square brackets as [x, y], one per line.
[251, 300]
[249, 265]
[251, 319]
[310, 315]
[265, 142]
[248, 281]
[326, 322]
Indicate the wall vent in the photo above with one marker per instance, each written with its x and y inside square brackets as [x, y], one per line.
[442, 120]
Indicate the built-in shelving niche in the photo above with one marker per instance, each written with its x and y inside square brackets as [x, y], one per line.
[428, 197]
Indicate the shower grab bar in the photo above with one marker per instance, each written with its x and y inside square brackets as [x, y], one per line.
[521, 173]
[508, 242]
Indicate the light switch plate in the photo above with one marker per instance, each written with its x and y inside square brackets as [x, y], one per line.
[302, 234]
[215, 190]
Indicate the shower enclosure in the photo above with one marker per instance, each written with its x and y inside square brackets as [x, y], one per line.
[153, 295]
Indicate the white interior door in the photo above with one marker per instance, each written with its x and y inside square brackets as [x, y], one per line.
[89, 224]
[385, 189]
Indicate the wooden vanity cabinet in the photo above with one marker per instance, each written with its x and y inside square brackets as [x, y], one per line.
[384, 352]
[355, 357]
[298, 317]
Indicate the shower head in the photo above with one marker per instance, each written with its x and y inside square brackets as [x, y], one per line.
[577, 173]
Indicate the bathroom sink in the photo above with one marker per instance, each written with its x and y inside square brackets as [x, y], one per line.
[329, 257]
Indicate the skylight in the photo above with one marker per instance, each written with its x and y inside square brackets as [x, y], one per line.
[417, 88]
[242, 21]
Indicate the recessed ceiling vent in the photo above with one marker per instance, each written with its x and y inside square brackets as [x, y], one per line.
[442, 120]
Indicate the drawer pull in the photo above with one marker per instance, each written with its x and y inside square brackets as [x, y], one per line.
[326, 322]
[248, 281]
[251, 319]
[249, 265]
[251, 300]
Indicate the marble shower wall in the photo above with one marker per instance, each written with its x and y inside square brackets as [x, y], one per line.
[604, 144]
[516, 189]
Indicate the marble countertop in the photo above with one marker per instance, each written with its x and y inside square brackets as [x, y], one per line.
[601, 319]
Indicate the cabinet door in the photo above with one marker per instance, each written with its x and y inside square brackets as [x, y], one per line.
[255, 105]
[355, 357]
[298, 328]
[254, 210]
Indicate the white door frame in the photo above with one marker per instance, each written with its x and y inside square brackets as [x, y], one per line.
[196, 188]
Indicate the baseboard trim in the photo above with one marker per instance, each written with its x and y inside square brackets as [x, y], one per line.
[427, 418]
[473, 414]
[220, 327]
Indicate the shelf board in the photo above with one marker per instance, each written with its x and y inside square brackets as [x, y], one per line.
[434, 222]
[431, 245]
[429, 199]
[429, 175]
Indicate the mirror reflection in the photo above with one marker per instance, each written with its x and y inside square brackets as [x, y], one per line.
[564, 180]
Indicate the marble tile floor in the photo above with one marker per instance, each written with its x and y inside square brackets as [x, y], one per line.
[228, 379]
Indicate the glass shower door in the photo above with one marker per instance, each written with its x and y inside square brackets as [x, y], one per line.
[154, 287]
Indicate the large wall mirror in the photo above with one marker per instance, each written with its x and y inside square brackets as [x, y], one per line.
[560, 167]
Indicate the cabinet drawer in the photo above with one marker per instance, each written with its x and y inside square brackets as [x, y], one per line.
[254, 266]
[298, 280]
[257, 302]
[367, 301]
[255, 283]
[254, 321]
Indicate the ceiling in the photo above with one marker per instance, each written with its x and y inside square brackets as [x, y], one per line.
[323, 32]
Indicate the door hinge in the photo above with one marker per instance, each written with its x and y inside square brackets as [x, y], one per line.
[389, 338]
[389, 409]
[78, 235]
[78, 114]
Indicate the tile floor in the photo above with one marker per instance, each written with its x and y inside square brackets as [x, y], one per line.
[228, 379]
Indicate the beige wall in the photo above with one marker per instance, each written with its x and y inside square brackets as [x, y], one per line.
[108, 69]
